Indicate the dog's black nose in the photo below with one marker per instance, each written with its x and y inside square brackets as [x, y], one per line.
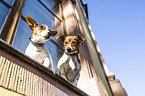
[68, 49]
[49, 34]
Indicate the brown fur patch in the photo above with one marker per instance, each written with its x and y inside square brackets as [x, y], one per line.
[71, 41]
[38, 29]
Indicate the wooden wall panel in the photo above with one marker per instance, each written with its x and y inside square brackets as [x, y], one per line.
[20, 80]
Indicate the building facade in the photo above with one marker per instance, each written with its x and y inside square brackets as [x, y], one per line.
[21, 75]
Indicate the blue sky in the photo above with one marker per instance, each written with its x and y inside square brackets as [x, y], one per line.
[119, 28]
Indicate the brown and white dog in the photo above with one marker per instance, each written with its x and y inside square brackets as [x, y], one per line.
[37, 48]
[69, 65]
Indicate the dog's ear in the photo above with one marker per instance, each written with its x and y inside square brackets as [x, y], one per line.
[80, 38]
[61, 37]
[32, 23]
[53, 32]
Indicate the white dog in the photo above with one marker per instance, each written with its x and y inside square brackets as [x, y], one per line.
[37, 48]
[69, 65]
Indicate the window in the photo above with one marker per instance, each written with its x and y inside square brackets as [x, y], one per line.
[43, 15]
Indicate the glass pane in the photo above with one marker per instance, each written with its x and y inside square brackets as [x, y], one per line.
[55, 52]
[9, 1]
[53, 5]
[39, 13]
[22, 36]
[3, 13]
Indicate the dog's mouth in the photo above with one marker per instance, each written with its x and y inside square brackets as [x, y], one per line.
[72, 52]
[46, 37]
[69, 51]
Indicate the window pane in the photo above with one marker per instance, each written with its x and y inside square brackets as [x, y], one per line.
[55, 52]
[39, 13]
[9, 1]
[3, 13]
[53, 5]
[22, 36]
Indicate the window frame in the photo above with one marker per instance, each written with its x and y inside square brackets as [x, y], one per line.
[5, 4]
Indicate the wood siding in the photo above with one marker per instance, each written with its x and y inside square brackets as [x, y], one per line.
[21, 80]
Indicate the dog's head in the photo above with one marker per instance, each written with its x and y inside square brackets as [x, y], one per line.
[71, 43]
[41, 33]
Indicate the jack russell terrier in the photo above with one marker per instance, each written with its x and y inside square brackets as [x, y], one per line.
[69, 65]
[37, 48]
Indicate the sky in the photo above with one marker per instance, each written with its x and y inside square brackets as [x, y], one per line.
[119, 28]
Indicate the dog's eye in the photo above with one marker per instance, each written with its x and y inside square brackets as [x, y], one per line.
[42, 27]
[65, 42]
[74, 42]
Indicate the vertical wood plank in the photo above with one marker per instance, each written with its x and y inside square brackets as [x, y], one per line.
[34, 83]
[43, 87]
[3, 71]
[3, 61]
[19, 79]
[39, 82]
[46, 88]
[24, 82]
[49, 89]
[37, 86]
[16, 78]
[9, 74]
[27, 84]
[56, 90]
[41, 92]
[6, 73]
[52, 90]
[3, 77]
[31, 84]
[12, 78]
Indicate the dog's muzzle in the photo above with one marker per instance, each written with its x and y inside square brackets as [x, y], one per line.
[48, 36]
[68, 49]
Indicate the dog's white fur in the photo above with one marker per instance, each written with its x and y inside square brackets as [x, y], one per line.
[69, 65]
[71, 68]
[40, 54]
[39, 36]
